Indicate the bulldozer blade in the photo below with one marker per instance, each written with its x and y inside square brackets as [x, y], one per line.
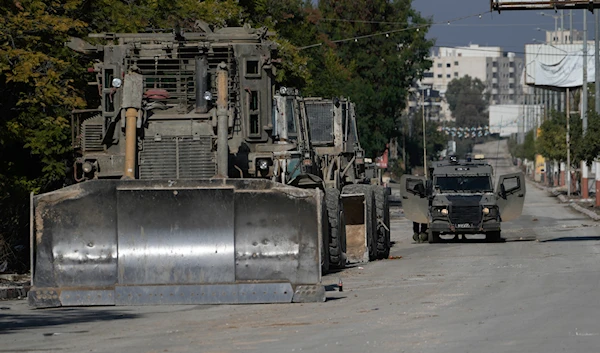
[213, 241]
[355, 215]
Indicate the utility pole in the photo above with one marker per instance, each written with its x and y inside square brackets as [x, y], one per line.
[562, 26]
[568, 171]
[570, 26]
[597, 92]
[424, 142]
[584, 106]
[584, 93]
[597, 62]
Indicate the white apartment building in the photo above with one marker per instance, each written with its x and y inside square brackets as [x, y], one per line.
[500, 72]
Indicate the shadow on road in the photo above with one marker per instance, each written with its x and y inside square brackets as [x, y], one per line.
[582, 238]
[44, 318]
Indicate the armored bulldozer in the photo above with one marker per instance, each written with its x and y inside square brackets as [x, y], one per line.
[360, 209]
[183, 190]
[459, 199]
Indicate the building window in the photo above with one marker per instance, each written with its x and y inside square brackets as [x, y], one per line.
[495, 75]
[428, 74]
[448, 65]
[439, 76]
[439, 65]
[456, 74]
[495, 64]
[447, 75]
[512, 64]
[456, 63]
[513, 86]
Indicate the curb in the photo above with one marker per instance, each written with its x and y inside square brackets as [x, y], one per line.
[585, 211]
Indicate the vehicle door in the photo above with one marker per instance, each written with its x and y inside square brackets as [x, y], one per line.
[510, 195]
[414, 203]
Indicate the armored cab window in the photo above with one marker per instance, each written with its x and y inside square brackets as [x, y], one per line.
[290, 117]
[252, 68]
[254, 112]
[109, 105]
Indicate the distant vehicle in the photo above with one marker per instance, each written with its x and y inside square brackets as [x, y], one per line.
[459, 198]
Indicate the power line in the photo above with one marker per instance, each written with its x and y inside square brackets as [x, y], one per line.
[387, 33]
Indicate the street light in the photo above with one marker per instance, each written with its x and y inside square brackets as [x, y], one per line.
[556, 17]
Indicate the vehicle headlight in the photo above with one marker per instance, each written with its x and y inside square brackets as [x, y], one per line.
[263, 164]
[444, 211]
[87, 167]
[283, 91]
[207, 95]
[116, 82]
[486, 210]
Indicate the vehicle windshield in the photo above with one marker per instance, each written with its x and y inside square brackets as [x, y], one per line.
[463, 183]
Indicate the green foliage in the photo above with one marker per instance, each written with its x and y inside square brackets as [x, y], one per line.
[587, 148]
[468, 101]
[37, 92]
[435, 140]
[552, 143]
[375, 72]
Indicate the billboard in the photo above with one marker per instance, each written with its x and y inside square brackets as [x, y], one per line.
[508, 5]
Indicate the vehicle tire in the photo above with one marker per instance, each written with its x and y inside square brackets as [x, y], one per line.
[371, 220]
[416, 237]
[382, 206]
[494, 237]
[325, 253]
[337, 228]
[423, 237]
[434, 237]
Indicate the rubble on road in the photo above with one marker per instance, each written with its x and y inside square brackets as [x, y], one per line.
[14, 286]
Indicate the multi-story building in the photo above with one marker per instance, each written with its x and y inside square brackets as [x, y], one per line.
[504, 79]
[563, 36]
[500, 71]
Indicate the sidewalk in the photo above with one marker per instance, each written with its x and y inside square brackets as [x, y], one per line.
[585, 206]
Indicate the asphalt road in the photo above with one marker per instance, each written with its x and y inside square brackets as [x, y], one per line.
[536, 292]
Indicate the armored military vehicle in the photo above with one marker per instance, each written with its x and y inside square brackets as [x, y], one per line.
[335, 140]
[188, 189]
[458, 198]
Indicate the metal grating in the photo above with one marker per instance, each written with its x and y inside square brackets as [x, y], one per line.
[177, 75]
[177, 158]
[320, 118]
[465, 214]
[92, 134]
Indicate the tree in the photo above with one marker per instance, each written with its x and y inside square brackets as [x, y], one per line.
[375, 71]
[468, 101]
[37, 93]
[435, 141]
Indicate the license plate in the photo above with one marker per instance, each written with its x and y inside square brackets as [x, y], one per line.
[464, 225]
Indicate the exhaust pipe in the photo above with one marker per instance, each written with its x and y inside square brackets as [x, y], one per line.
[130, 142]
[222, 122]
[133, 87]
[201, 85]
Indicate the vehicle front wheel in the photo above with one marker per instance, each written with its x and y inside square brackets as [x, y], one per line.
[434, 237]
[494, 236]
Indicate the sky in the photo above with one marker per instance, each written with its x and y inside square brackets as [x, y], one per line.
[510, 30]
